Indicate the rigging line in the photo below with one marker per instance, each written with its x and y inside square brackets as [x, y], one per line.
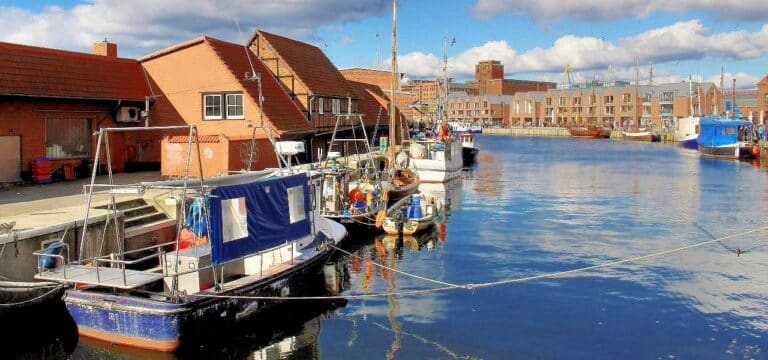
[613, 263]
[397, 271]
[245, 46]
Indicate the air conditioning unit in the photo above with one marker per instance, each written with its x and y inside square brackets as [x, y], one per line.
[128, 114]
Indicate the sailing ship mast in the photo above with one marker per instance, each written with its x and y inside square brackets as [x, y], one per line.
[392, 107]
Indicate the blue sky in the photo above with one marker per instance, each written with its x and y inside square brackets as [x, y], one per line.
[534, 39]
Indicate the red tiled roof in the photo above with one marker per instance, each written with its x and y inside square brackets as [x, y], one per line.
[309, 64]
[34, 71]
[370, 103]
[279, 109]
[202, 139]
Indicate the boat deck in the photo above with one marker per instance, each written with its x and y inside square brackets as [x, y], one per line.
[102, 276]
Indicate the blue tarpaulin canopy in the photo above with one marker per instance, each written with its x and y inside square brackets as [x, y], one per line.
[248, 218]
[718, 131]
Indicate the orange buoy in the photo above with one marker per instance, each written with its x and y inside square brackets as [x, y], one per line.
[356, 196]
[755, 151]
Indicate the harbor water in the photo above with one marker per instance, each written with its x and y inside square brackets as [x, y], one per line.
[534, 206]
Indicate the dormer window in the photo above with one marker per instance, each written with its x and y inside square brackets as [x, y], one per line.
[223, 106]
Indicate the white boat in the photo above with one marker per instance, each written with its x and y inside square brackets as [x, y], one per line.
[416, 215]
[686, 131]
[436, 160]
[468, 148]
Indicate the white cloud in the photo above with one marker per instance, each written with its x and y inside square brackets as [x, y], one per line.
[688, 40]
[142, 26]
[743, 80]
[592, 11]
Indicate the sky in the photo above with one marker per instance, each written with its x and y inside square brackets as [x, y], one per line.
[534, 39]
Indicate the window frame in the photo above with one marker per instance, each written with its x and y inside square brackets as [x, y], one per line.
[205, 107]
[242, 106]
[335, 106]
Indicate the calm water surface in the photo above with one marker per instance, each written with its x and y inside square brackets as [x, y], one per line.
[533, 206]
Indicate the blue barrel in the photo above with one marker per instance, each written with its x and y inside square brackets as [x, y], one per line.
[415, 212]
[415, 200]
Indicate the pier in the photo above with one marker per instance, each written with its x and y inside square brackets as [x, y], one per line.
[528, 131]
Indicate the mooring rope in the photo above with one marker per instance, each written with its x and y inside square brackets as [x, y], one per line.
[471, 286]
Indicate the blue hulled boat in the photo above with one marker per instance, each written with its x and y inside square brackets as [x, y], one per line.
[724, 137]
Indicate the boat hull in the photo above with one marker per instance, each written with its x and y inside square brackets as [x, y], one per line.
[727, 152]
[469, 155]
[641, 136]
[163, 326]
[593, 132]
[29, 299]
[689, 143]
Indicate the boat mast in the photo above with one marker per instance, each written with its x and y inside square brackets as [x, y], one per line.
[392, 108]
[637, 96]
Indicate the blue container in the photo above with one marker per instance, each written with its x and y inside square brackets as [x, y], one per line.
[415, 200]
[415, 212]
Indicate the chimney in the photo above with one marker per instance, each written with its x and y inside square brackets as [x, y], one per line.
[105, 48]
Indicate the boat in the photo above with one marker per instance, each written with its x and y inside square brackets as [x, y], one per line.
[402, 180]
[723, 137]
[351, 193]
[468, 149]
[588, 131]
[459, 127]
[21, 300]
[687, 131]
[645, 136]
[415, 216]
[687, 128]
[436, 159]
[252, 234]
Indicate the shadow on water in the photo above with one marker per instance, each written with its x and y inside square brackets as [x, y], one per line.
[49, 335]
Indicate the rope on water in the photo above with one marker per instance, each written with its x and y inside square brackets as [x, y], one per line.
[613, 263]
[442, 283]
[470, 286]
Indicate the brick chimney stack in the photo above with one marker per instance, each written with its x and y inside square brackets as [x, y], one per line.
[105, 48]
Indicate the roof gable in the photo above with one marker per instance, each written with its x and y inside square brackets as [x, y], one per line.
[281, 111]
[41, 72]
[309, 64]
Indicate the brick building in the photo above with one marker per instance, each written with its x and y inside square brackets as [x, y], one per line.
[308, 75]
[51, 101]
[762, 100]
[652, 107]
[209, 83]
[489, 80]
[383, 81]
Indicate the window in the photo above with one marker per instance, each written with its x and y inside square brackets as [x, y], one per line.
[320, 105]
[212, 107]
[528, 107]
[336, 106]
[609, 110]
[577, 101]
[562, 101]
[67, 138]
[477, 105]
[296, 210]
[549, 101]
[626, 98]
[234, 219]
[517, 107]
[485, 104]
[667, 96]
[235, 106]
[609, 99]
[223, 106]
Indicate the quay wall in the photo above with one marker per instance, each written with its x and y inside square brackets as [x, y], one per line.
[528, 131]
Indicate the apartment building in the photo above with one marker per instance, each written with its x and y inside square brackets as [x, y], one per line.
[762, 100]
[623, 106]
[481, 108]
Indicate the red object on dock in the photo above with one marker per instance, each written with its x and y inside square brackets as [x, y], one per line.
[41, 171]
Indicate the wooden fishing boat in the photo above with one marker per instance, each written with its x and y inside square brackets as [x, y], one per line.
[587, 131]
[436, 160]
[415, 216]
